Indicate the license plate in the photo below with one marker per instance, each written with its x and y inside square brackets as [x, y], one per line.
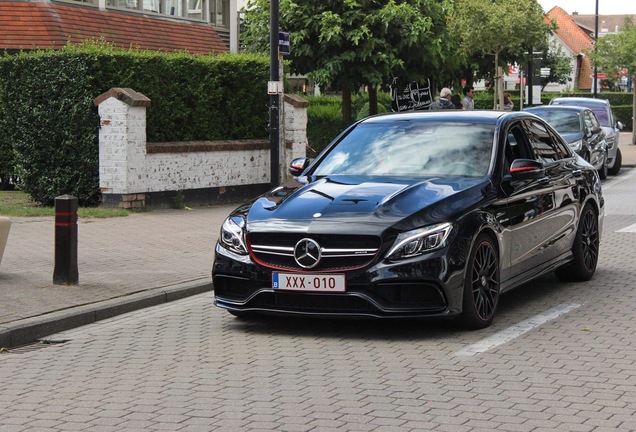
[308, 282]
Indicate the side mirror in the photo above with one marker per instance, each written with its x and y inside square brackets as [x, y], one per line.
[297, 166]
[619, 125]
[526, 169]
[596, 130]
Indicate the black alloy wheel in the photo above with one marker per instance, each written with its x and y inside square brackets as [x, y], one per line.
[585, 249]
[481, 287]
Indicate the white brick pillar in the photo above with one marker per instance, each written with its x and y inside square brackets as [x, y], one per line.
[122, 147]
[295, 129]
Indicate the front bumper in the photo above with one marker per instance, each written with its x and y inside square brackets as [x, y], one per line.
[424, 287]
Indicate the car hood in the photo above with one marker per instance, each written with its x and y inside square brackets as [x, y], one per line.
[364, 205]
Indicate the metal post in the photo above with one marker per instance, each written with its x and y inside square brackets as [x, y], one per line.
[66, 272]
[529, 83]
[595, 50]
[274, 99]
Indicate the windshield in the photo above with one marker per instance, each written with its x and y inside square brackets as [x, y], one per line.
[404, 148]
[599, 110]
[563, 121]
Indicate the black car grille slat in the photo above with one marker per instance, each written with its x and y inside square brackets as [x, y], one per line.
[311, 303]
[277, 250]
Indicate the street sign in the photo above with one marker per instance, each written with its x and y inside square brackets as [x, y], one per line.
[284, 46]
[274, 87]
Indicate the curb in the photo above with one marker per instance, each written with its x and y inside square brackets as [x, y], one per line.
[29, 330]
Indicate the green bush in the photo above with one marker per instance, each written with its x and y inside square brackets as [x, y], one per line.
[48, 119]
[624, 113]
[324, 123]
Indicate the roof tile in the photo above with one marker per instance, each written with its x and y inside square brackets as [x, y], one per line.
[32, 25]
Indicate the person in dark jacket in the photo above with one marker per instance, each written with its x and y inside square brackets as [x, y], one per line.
[457, 101]
[444, 101]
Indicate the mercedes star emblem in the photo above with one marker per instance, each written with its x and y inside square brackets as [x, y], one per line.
[307, 253]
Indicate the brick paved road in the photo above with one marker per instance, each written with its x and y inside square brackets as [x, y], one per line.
[187, 366]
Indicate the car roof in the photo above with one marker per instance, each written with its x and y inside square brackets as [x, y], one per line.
[476, 116]
[581, 100]
[576, 108]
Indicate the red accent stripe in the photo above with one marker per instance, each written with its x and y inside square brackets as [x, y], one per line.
[521, 169]
[65, 213]
[297, 270]
[65, 224]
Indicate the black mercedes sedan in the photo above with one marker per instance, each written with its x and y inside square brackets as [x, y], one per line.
[411, 215]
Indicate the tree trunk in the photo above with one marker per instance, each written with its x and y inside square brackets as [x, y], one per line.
[346, 104]
[496, 83]
[373, 100]
[468, 76]
[634, 110]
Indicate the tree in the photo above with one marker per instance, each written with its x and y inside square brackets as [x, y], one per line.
[559, 64]
[495, 27]
[616, 52]
[350, 43]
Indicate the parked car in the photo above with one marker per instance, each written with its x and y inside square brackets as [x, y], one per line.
[420, 214]
[581, 129]
[611, 127]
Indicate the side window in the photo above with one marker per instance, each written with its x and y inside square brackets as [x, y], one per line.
[562, 148]
[594, 119]
[516, 145]
[543, 143]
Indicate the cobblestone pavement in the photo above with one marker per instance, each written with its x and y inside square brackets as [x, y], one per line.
[559, 357]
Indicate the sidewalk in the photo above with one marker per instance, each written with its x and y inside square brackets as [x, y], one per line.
[124, 264]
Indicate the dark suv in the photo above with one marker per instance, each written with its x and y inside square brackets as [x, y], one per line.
[611, 127]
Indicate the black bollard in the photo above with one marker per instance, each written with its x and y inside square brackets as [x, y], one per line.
[66, 272]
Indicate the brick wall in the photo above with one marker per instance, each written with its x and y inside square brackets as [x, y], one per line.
[133, 173]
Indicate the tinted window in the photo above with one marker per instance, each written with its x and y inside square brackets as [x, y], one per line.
[546, 147]
[601, 111]
[412, 149]
[564, 121]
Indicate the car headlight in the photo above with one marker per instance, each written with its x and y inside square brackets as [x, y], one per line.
[577, 145]
[420, 241]
[233, 235]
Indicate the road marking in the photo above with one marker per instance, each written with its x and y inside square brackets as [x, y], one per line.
[631, 228]
[515, 331]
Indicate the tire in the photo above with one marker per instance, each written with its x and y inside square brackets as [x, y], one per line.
[481, 284]
[618, 161]
[602, 173]
[585, 249]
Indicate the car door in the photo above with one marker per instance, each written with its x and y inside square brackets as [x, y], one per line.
[535, 217]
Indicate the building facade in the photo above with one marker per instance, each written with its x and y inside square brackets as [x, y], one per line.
[196, 26]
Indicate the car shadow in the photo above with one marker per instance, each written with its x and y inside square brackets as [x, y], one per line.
[515, 306]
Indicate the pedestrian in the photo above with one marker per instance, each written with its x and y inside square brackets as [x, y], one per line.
[444, 101]
[508, 104]
[469, 93]
[457, 101]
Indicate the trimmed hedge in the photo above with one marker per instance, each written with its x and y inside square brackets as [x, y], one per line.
[48, 119]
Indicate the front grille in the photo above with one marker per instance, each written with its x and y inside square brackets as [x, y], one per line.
[339, 252]
[304, 302]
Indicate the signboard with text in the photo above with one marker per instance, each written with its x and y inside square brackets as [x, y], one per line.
[414, 96]
[284, 46]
